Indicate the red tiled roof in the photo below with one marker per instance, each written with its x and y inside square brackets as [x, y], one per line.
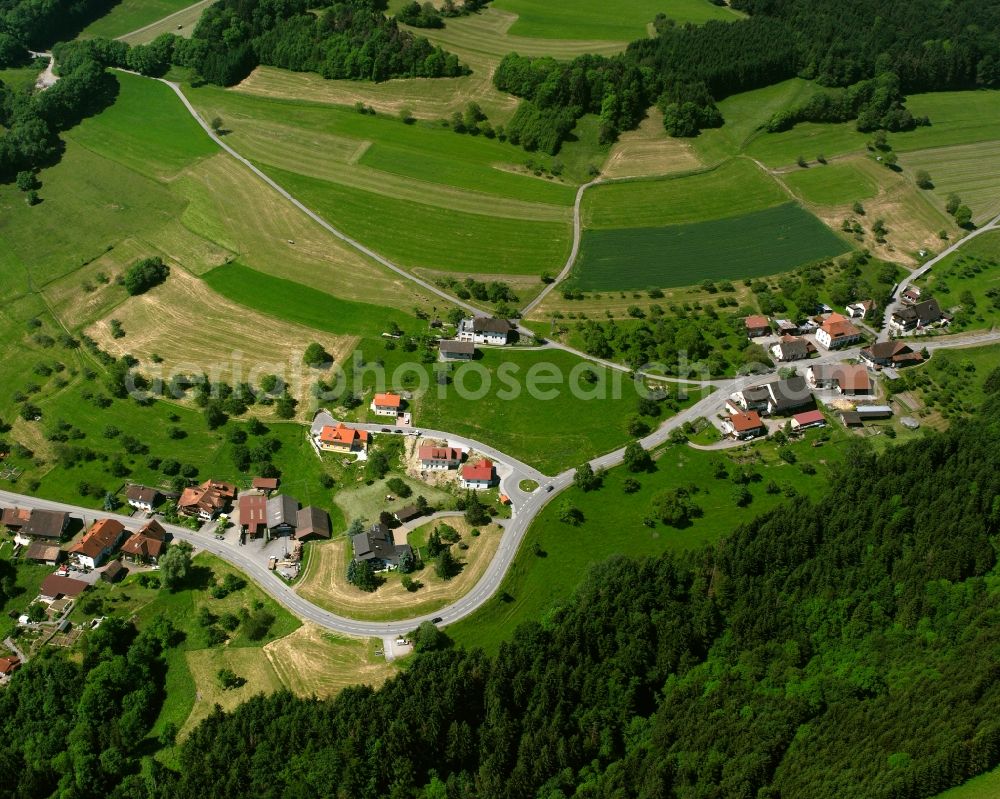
[102, 536]
[342, 434]
[10, 664]
[153, 529]
[838, 327]
[265, 483]
[742, 422]
[478, 472]
[432, 453]
[387, 400]
[142, 546]
[809, 417]
[756, 321]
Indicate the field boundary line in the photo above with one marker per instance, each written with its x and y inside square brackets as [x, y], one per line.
[357, 245]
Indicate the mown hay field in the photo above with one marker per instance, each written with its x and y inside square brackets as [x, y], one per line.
[760, 243]
[735, 187]
[130, 15]
[972, 171]
[832, 184]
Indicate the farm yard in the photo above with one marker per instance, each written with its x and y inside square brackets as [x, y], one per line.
[759, 243]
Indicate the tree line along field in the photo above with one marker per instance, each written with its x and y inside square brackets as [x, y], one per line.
[555, 555]
[758, 243]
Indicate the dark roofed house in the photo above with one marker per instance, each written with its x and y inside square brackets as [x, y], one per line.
[49, 554]
[792, 348]
[407, 514]
[379, 546]
[114, 571]
[484, 330]
[312, 522]
[55, 587]
[453, 350]
[49, 524]
[850, 418]
[787, 395]
[142, 497]
[920, 314]
[890, 353]
[282, 514]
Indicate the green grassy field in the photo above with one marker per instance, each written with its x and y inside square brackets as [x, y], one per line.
[146, 130]
[19, 77]
[130, 15]
[294, 302]
[595, 19]
[951, 383]
[731, 189]
[760, 243]
[956, 118]
[551, 434]
[418, 235]
[985, 786]
[339, 144]
[972, 171]
[833, 184]
[613, 525]
[969, 273]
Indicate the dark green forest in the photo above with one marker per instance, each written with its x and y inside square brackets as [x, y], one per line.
[868, 52]
[843, 647]
[347, 39]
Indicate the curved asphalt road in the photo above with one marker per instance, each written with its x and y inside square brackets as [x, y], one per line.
[526, 508]
[895, 305]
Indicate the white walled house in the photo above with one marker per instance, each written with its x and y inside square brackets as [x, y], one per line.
[484, 330]
[434, 458]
